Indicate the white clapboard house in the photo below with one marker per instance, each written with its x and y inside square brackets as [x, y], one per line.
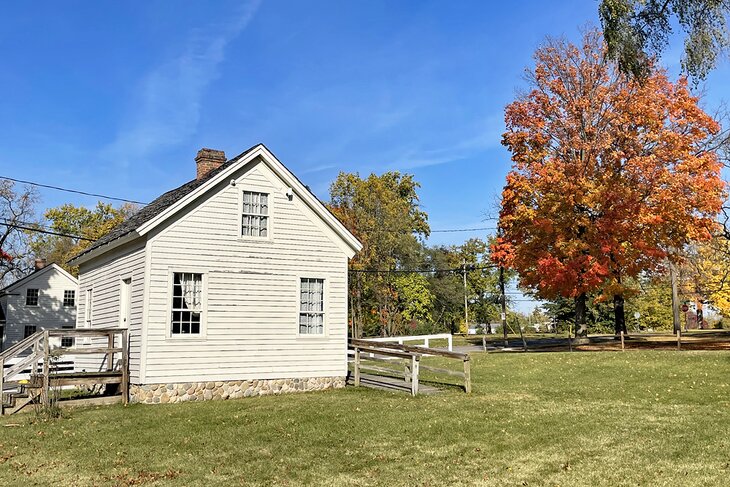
[45, 299]
[233, 284]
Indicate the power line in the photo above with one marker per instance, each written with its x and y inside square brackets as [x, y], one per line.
[47, 232]
[421, 271]
[58, 188]
[114, 198]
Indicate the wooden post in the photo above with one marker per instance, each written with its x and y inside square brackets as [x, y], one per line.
[46, 370]
[484, 343]
[125, 367]
[414, 374]
[679, 338]
[357, 367]
[622, 341]
[570, 340]
[451, 343]
[407, 370]
[109, 353]
[467, 375]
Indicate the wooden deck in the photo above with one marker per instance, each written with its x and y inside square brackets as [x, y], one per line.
[34, 358]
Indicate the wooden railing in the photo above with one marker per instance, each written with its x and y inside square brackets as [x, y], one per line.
[389, 353]
[36, 353]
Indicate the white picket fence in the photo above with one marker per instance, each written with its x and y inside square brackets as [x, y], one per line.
[425, 340]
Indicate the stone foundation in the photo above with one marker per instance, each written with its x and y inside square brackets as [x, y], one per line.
[206, 391]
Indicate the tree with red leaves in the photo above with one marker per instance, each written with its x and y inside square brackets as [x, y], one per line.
[609, 176]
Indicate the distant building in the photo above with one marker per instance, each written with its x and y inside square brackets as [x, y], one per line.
[42, 300]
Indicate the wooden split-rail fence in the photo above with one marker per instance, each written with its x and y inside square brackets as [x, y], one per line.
[389, 359]
[28, 369]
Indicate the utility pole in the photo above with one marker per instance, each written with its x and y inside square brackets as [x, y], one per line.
[466, 301]
[504, 305]
[675, 298]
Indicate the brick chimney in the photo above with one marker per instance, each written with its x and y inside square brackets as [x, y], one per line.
[40, 264]
[207, 160]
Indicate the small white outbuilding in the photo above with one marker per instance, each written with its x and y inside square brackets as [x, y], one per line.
[233, 284]
[45, 299]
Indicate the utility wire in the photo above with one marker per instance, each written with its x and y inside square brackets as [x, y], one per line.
[58, 188]
[114, 198]
[47, 232]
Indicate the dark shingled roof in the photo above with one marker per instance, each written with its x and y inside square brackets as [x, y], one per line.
[158, 206]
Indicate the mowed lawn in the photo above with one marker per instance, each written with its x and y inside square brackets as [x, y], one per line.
[609, 418]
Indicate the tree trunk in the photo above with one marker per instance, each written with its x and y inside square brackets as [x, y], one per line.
[619, 314]
[581, 329]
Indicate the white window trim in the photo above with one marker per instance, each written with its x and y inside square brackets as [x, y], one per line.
[64, 299]
[204, 305]
[270, 224]
[37, 299]
[325, 326]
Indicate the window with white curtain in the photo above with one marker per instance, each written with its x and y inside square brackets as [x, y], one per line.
[311, 306]
[255, 217]
[187, 303]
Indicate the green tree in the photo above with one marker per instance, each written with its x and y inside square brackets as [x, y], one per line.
[383, 212]
[636, 31]
[415, 299]
[79, 221]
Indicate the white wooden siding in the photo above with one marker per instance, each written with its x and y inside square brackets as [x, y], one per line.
[104, 277]
[50, 312]
[251, 328]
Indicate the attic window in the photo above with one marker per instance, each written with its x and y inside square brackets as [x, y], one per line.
[255, 214]
[31, 297]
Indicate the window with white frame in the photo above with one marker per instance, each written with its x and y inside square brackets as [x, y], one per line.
[187, 303]
[311, 306]
[69, 298]
[255, 214]
[31, 297]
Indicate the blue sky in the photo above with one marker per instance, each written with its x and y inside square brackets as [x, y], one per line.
[117, 97]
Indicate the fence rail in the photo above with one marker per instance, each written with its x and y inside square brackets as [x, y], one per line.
[425, 339]
[32, 357]
[410, 358]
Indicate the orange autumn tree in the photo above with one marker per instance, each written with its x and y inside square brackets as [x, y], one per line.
[608, 176]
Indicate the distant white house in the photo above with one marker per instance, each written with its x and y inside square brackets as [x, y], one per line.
[44, 299]
[233, 284]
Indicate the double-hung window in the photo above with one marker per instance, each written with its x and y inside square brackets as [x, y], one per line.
[67, 341]
[29, 330]
[311, 306]
[69, 298]
[31, 297]
[255, 214]
[187, 303]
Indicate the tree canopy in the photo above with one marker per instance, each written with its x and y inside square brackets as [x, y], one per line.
[638, 30]
[609, 175]
[79, 221]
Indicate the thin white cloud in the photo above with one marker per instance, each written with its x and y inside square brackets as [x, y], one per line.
[488, 135]
[166, 108]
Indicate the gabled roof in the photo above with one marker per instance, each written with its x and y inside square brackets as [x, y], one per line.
[38, 273]
[166, 205]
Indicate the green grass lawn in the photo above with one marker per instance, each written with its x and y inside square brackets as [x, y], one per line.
[634, 418]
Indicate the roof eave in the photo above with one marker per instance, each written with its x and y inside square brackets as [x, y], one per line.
[102, 249]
